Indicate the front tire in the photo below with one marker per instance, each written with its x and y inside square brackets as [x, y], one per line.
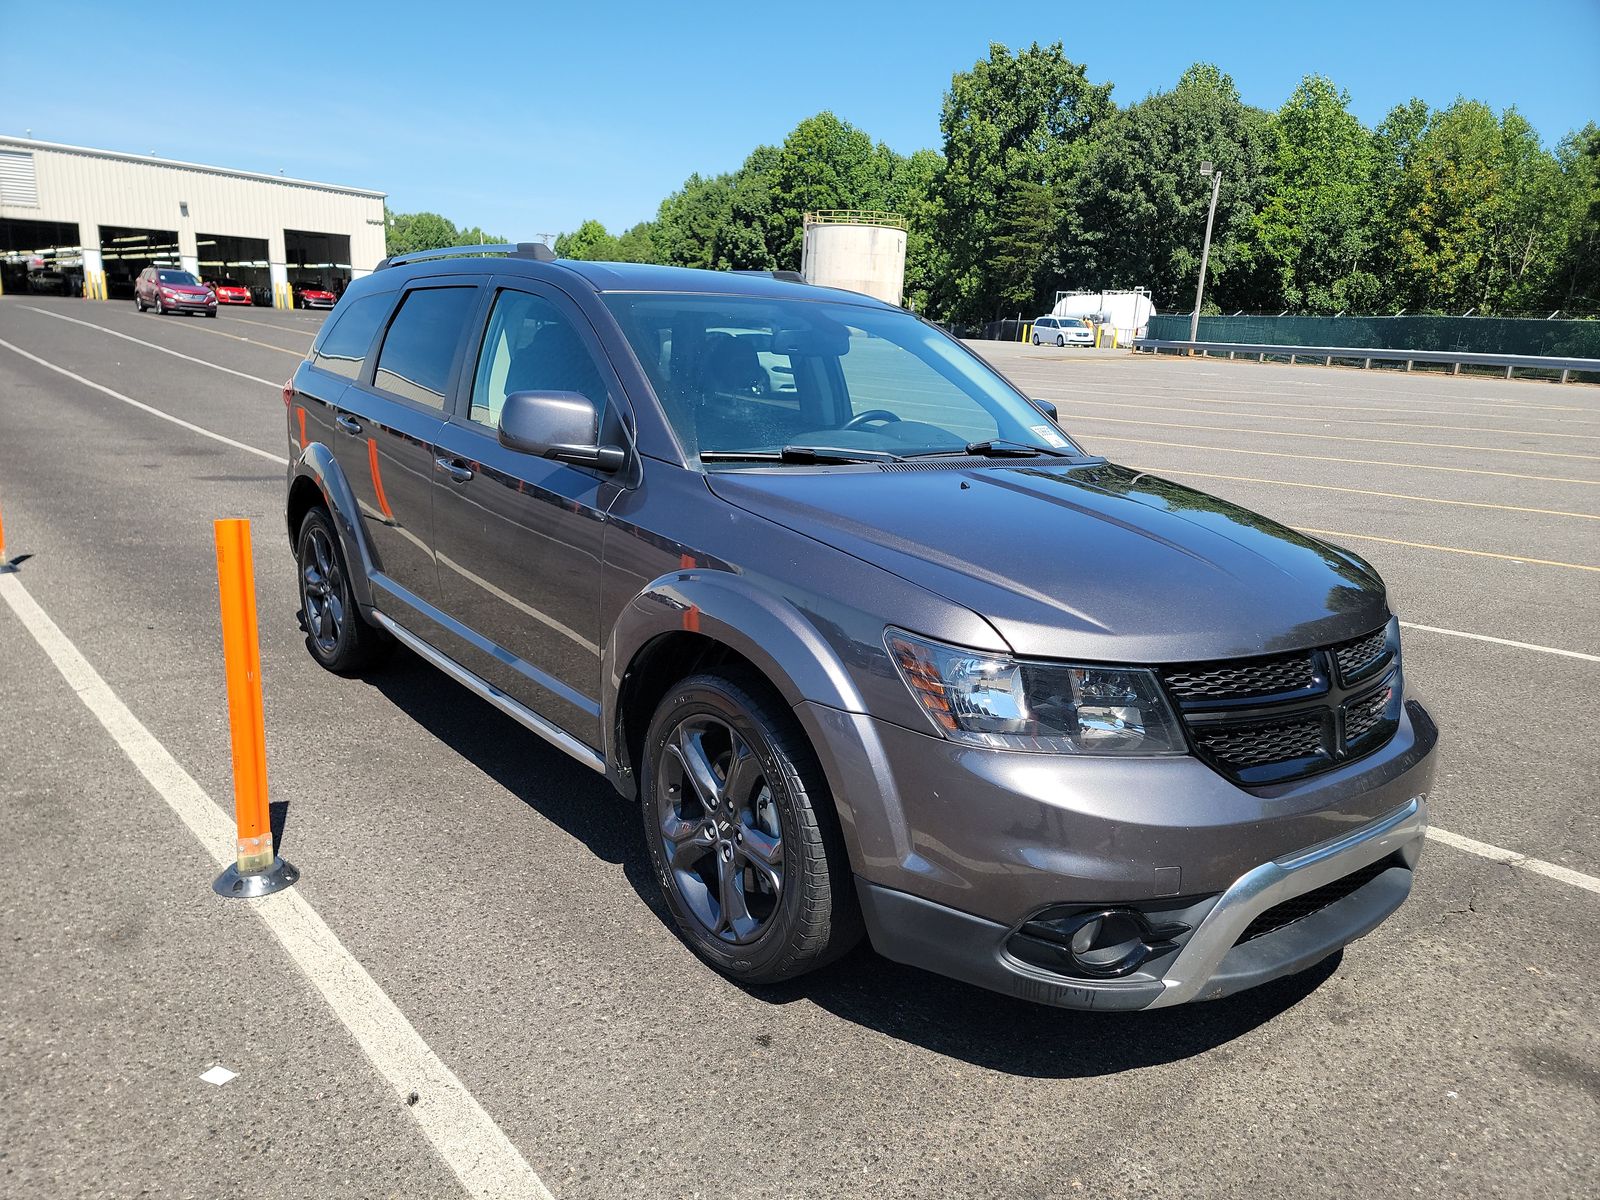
[338, 636]
[742, 834]
[1060, 341]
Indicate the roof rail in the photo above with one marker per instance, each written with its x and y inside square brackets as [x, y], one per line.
[786, 276]
[537, 251]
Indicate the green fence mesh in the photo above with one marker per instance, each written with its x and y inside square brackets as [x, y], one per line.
[1476, 335]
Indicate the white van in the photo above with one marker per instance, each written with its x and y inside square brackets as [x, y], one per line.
[1062, 331]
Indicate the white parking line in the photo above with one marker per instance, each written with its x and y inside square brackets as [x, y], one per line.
[142, 407]
[1484, 637]
[1511, 858]
[461, 1132]
[44, 312]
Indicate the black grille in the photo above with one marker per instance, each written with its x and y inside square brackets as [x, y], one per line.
[1298, 908]
[1364, 715]
[1243, 678]
[1273, 719]
[1265, 742]
[1362, 657]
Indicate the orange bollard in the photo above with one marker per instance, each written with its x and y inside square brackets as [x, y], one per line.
[257, 870]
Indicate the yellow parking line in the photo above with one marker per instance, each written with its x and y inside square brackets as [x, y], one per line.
[1517, 558]
[1193, 395]
[1328, 487]
[1338, 437]
[1364, 462]
[1200, 412]
[1440, 396]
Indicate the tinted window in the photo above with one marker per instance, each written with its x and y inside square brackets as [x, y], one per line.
[345, 342]
[421, 343]
[530, 347]
[179, 277]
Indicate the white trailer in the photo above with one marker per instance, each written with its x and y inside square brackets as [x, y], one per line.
[1128, 312]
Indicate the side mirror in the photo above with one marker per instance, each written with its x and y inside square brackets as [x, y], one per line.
[564, 426]
[1049, 409]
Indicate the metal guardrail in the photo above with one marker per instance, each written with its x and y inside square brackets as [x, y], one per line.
[1367, 356]
[854, 216]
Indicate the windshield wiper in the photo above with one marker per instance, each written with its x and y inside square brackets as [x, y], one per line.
[801, 454]
[1001, 448]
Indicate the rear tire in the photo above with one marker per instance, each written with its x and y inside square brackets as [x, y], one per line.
[338, 636]
[138, 302]
[742, 834]
[1036, 339]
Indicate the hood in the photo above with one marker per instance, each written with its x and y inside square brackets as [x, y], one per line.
[1092, 561]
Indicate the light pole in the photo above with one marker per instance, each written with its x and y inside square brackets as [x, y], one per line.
[1206, 168]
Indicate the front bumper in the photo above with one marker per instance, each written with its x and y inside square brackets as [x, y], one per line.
[1210, 962]
[956, 848]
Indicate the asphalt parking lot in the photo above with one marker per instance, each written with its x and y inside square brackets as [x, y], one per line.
[500, 898]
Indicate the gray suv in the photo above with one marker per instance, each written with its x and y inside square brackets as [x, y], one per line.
[874, 645]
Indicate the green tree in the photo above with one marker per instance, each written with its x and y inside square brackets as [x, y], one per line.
[406, 233]
[1575, 283]
[637, 244]
[1027, 222]
[913, 191]
[1011, 119]
[1316, 226]
[588, 241]
[823, 163]
[1135, 212]
[1483, 213]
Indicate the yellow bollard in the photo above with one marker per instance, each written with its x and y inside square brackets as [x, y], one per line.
[257, 870]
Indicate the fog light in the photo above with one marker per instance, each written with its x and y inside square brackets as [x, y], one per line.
[1106, 944]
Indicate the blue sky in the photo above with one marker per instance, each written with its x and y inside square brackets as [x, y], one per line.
[527, 117]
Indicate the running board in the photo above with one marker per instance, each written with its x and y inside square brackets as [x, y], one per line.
[521, 714]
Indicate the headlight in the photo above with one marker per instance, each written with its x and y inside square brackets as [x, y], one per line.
[996, 701]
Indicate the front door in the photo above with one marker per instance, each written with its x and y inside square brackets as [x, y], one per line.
[385, 426]
[518, 537]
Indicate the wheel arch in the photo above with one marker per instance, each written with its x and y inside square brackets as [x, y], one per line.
[691, 621]
[318, 479]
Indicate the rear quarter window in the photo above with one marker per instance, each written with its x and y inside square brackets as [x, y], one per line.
[343, 346]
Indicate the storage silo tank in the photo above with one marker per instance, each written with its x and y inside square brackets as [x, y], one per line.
[857, 250]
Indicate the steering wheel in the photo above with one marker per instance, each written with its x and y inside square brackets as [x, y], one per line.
[872, 414]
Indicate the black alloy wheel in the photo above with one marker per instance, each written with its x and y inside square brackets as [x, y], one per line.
[742, 833]
[337, 635]
[719, 822]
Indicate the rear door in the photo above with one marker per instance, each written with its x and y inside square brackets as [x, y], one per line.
[385, 425]
[519, 537]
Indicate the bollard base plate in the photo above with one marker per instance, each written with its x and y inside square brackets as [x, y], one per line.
[275, 878]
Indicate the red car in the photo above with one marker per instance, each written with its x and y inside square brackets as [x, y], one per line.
[167, 290]
[230, 291]
[313, 297]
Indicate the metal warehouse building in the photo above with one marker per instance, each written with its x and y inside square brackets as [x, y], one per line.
[76, 221]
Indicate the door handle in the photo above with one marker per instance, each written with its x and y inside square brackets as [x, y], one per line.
[347, 423]
[458, 471]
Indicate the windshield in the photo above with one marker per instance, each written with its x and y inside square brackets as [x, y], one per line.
[754, 374]
[179, 277]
